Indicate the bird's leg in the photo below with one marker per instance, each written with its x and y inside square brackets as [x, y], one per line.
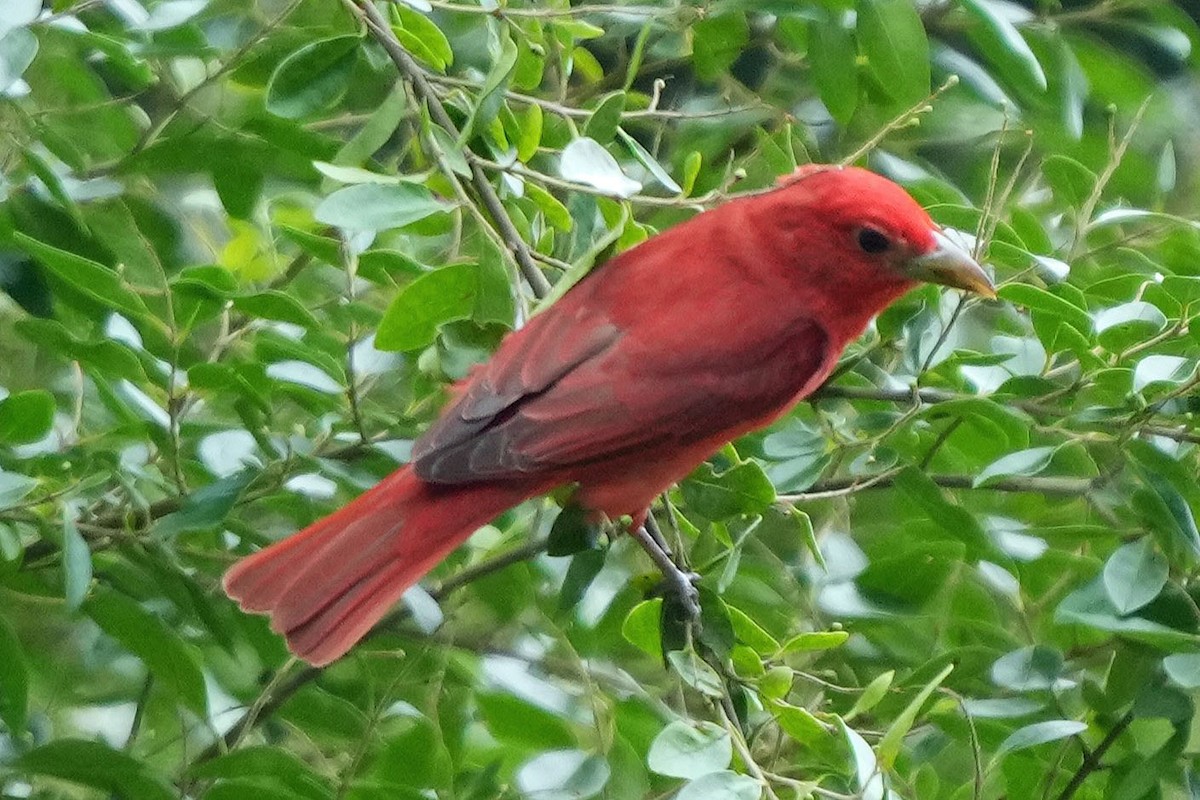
[655, 533]
[680, 584]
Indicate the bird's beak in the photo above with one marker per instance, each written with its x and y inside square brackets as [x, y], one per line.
[950, 265]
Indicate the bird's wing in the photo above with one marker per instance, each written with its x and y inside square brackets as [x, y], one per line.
[576, 389]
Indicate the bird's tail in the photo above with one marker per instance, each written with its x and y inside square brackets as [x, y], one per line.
[327, 585]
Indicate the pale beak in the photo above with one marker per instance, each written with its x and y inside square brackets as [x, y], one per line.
[950, 265]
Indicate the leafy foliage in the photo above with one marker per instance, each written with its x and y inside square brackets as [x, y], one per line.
[967, 569]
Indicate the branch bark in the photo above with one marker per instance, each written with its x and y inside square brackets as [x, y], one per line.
[1091, 762]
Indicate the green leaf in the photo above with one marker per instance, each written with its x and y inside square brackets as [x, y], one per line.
[585, 566]
[96, 765]
[696, 673]
[579, 29]
[276, 305]
[26, 417]
[1121, 326]
[434, 47]
[691, 170]
[892, 38]
[799, 723]
[494, 290]
[866, 765]
[207, 507]
[690, 750]
[835, 70]
[1028, 669]
[93, 280]
[1172, 492]
[889, 746]
[807, 534]
[491, 94]
[1183, 669]
[257, 788]
[649, 162]
[413, 317]
[1072, 182]
[18, 48]
[717, 42]
[14, 682]
[751, 633]
[643, 627]
[1032, 297]
[1157, 368]
[273, 764]
[585, 161]
[572, 532]
[378, 129]
[723, 785]
[19, 13]
[953, 519]
[530, 134]
[1001, 43]
[776, 682]
[874, 691]
[1040, 733]
[1001, 708]
[603, 123]
[563, 775]
[14, 488]
[50, 177]
[743, 489]
[76, 564]
[169, 660]
[511, 719]
[378, 207]
[814, 641]
[1090, 606]
[1021, 463]
[1134, 575]
[354, 175]
[313, 78]
[171, 14]
[555, 212]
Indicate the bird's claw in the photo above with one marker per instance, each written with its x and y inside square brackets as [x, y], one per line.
[679, 588]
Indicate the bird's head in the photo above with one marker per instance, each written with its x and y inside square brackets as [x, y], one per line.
[880, 229]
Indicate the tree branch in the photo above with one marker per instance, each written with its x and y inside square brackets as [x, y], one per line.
[518, 250]
[1041, 485]
[1092, 761]
[1180, 433]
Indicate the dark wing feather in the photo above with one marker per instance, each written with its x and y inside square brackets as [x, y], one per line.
[565, 397]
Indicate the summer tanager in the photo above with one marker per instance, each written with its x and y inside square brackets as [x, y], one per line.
[634, 377]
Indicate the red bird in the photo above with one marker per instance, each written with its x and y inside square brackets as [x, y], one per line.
[622, 387]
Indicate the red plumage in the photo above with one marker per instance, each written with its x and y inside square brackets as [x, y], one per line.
[636, 375]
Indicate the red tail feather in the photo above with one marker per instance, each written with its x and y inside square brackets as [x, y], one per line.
[327, 585]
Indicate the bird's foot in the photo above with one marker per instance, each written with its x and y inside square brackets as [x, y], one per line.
[680, 593]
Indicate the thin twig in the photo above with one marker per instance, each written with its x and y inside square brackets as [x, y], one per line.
[1040, 485]
[517, 249]
[903, 120]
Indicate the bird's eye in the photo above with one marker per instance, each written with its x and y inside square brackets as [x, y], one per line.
[872, 241]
